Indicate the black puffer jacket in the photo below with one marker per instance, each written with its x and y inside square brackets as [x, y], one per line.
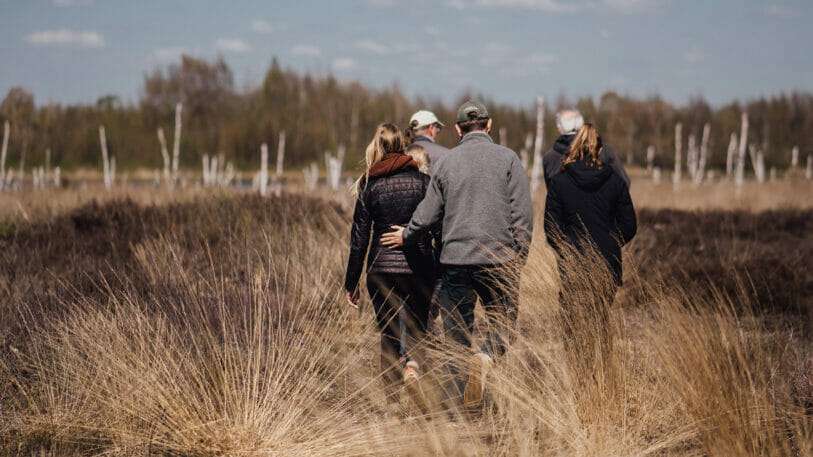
[588, 203]
[389, 198]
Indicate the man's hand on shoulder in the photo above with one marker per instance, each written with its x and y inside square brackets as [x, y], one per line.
[394, 239]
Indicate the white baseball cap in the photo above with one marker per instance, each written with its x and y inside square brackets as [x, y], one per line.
[424, 119]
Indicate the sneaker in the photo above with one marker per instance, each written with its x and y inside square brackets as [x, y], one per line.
[476, 385]
[413, 386]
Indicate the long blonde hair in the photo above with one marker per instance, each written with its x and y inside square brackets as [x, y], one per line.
[388, 138]
[586, 146]
[419, 155]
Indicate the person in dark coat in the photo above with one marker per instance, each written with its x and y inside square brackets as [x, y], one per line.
[387, 194]
[568, 122]
[589, 216]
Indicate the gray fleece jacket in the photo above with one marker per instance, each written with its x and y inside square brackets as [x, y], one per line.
[480, 191]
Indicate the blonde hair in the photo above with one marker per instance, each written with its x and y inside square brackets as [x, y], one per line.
[586, 146]
[419, 156]
[388, 139]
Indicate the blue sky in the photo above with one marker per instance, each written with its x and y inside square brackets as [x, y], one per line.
[511, 50]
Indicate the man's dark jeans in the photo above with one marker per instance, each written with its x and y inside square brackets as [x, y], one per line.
[497, 286]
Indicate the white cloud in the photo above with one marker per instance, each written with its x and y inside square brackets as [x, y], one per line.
[261, 26]
[778, 11]
[541, 5]
[381, 3]
[306, 50]
[232, 45]
[66, 37]
[343, 63]
[633, 6]
[372, 47]
[170, 53]
[67, 3]
[694, 56]
[564, 6]
[431, 30]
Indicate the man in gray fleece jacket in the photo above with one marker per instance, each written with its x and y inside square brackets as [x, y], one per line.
[480, 192]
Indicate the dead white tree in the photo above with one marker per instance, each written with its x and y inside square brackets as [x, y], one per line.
[536, 171]
[650, 158]
[729, 158]
[165, 154]
[3, 152]
[311, 176]
[176, 143]
[334, 167]
[281, 152]
[228, 176]
[523, 155]
[112, 170]
[794, 157]
[105, 159]
[678, 157]
[503, 137]
[740, 178]
[704, 151]
[263, 169]
[57, 177]
[205, 171]
[691, 157]
[760, 166]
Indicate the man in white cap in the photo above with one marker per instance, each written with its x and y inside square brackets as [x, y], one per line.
[424, 128]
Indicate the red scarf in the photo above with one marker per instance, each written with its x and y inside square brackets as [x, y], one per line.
[392, 163]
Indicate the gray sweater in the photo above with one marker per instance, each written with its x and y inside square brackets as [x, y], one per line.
[480, 191]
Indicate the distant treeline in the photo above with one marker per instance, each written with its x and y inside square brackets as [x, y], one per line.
[319, 113]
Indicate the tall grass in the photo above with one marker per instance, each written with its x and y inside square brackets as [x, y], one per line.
[218, 327]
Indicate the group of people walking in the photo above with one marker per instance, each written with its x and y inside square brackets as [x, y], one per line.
[444, 227]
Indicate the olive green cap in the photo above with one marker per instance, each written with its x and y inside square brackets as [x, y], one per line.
[471, 110]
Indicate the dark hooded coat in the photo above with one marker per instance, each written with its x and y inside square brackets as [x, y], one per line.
[590, 203]
[552, 160]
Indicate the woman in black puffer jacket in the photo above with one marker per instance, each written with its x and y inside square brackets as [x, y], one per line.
[387, 194]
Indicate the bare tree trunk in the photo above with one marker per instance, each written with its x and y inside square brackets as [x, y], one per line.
[503, 137]
[529, 139]
[205, 179]
[678, 157]
[691, 157]
[176, 143]
[729, 159]
[650, 158]
[760, 166]
[281, 150]
[704, 150]
[536, 172]
[165, 154]
[809, 169]
[263, 169]
[656, 175]
[57, 177]
[311, 176]
[740, 179]
[794, 157]
[105, 159]
[3, 151]
[112, 171]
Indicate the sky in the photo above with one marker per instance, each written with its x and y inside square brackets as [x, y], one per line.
[75, 51]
